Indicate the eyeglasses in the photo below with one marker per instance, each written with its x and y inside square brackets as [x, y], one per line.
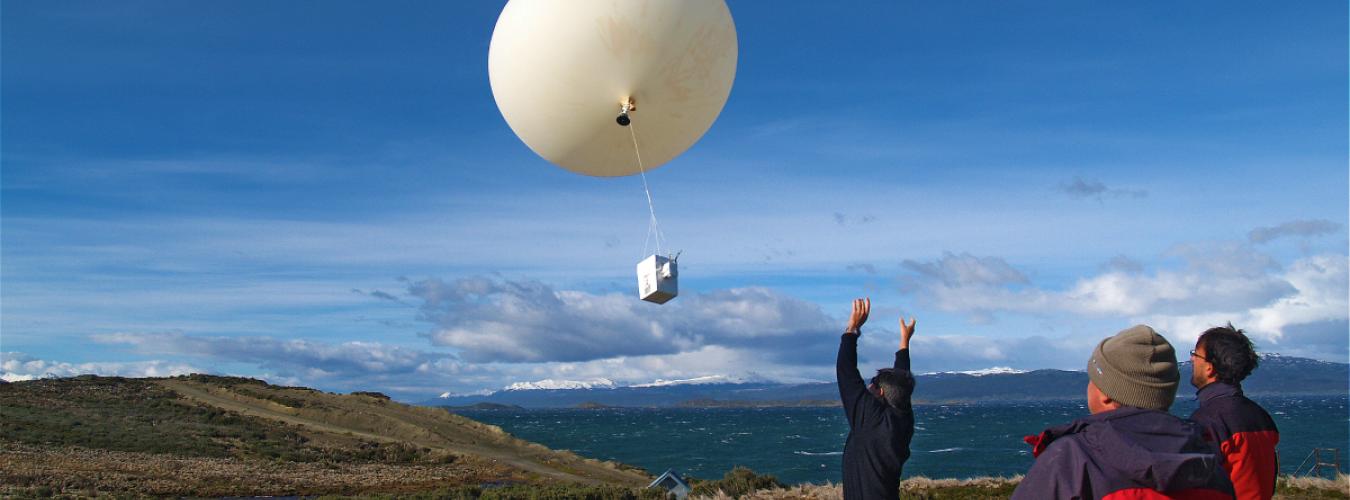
[1194, 355]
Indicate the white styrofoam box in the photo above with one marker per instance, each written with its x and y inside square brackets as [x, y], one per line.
[658, 279]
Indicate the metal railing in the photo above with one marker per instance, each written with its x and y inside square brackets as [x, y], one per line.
[1321, 459]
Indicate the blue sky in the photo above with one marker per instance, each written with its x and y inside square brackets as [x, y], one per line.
[323, 193]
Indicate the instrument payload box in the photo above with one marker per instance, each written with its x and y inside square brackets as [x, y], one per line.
[658, 279]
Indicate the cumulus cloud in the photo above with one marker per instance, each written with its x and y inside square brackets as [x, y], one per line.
[1094, 189]
[1296, 228]
[1211, 277]
[1221, 277]
[17, 366]
[1289, 307]
[528, 321]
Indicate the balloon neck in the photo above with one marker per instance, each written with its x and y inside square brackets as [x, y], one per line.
[628, 105]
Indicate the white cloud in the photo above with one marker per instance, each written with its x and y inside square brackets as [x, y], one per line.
[1227, 276]
[1213, 285]
[17, 366]
[1320, 296]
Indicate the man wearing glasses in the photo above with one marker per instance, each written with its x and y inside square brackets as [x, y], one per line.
[1244, 432]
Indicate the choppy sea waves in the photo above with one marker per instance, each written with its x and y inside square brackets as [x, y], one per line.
[805, 444]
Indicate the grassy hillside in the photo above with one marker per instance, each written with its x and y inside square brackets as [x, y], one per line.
[215, 436]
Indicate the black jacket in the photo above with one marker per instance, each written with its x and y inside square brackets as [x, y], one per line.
[878, 436]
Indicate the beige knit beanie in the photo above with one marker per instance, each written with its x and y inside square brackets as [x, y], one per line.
[1136, 367]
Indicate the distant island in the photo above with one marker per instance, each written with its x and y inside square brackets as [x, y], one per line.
[592, 405]
[485, 406]
[714, 403]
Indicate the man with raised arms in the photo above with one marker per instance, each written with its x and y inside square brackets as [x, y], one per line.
[880, 418]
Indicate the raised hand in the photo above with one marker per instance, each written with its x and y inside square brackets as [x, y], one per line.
[906, 331]
[861, 307]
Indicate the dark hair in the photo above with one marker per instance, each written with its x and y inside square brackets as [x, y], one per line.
[897, 386]
[1231, 353]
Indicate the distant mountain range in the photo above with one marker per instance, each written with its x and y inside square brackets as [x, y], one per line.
[1276, 375]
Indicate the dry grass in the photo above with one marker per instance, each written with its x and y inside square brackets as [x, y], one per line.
[802, 491]
[915, 487]
[921, 483]
[1313, 487]
[999, 487]
[78, 471]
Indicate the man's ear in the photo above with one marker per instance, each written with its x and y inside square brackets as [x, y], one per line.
[881, 391]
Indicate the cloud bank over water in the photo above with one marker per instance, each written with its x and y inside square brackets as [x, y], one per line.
[490, 333]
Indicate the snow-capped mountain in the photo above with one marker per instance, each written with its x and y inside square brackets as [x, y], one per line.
[710, 379]
[995, 370]
[553, 385]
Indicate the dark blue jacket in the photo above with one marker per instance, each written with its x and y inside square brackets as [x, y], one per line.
[878, 436]
[1129, 453]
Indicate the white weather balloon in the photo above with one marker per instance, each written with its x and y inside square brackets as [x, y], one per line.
[561, 70]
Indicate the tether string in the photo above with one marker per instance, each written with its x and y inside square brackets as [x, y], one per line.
[653, 227]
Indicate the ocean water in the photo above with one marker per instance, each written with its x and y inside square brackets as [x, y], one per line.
[806, 444]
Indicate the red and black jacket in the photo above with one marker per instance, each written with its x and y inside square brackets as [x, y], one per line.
[1245, 434]
[1124, 454]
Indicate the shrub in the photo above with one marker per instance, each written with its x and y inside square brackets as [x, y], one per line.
[735, 483]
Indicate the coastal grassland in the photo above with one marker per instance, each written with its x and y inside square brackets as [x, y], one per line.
[138, 415]
[525, 492]
[737, 482]
[1313, 487]
[83, 472]
[915, 487]
[1288, 487]
[223, 436]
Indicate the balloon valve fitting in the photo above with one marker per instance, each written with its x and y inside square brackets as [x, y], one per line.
[627, 106]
